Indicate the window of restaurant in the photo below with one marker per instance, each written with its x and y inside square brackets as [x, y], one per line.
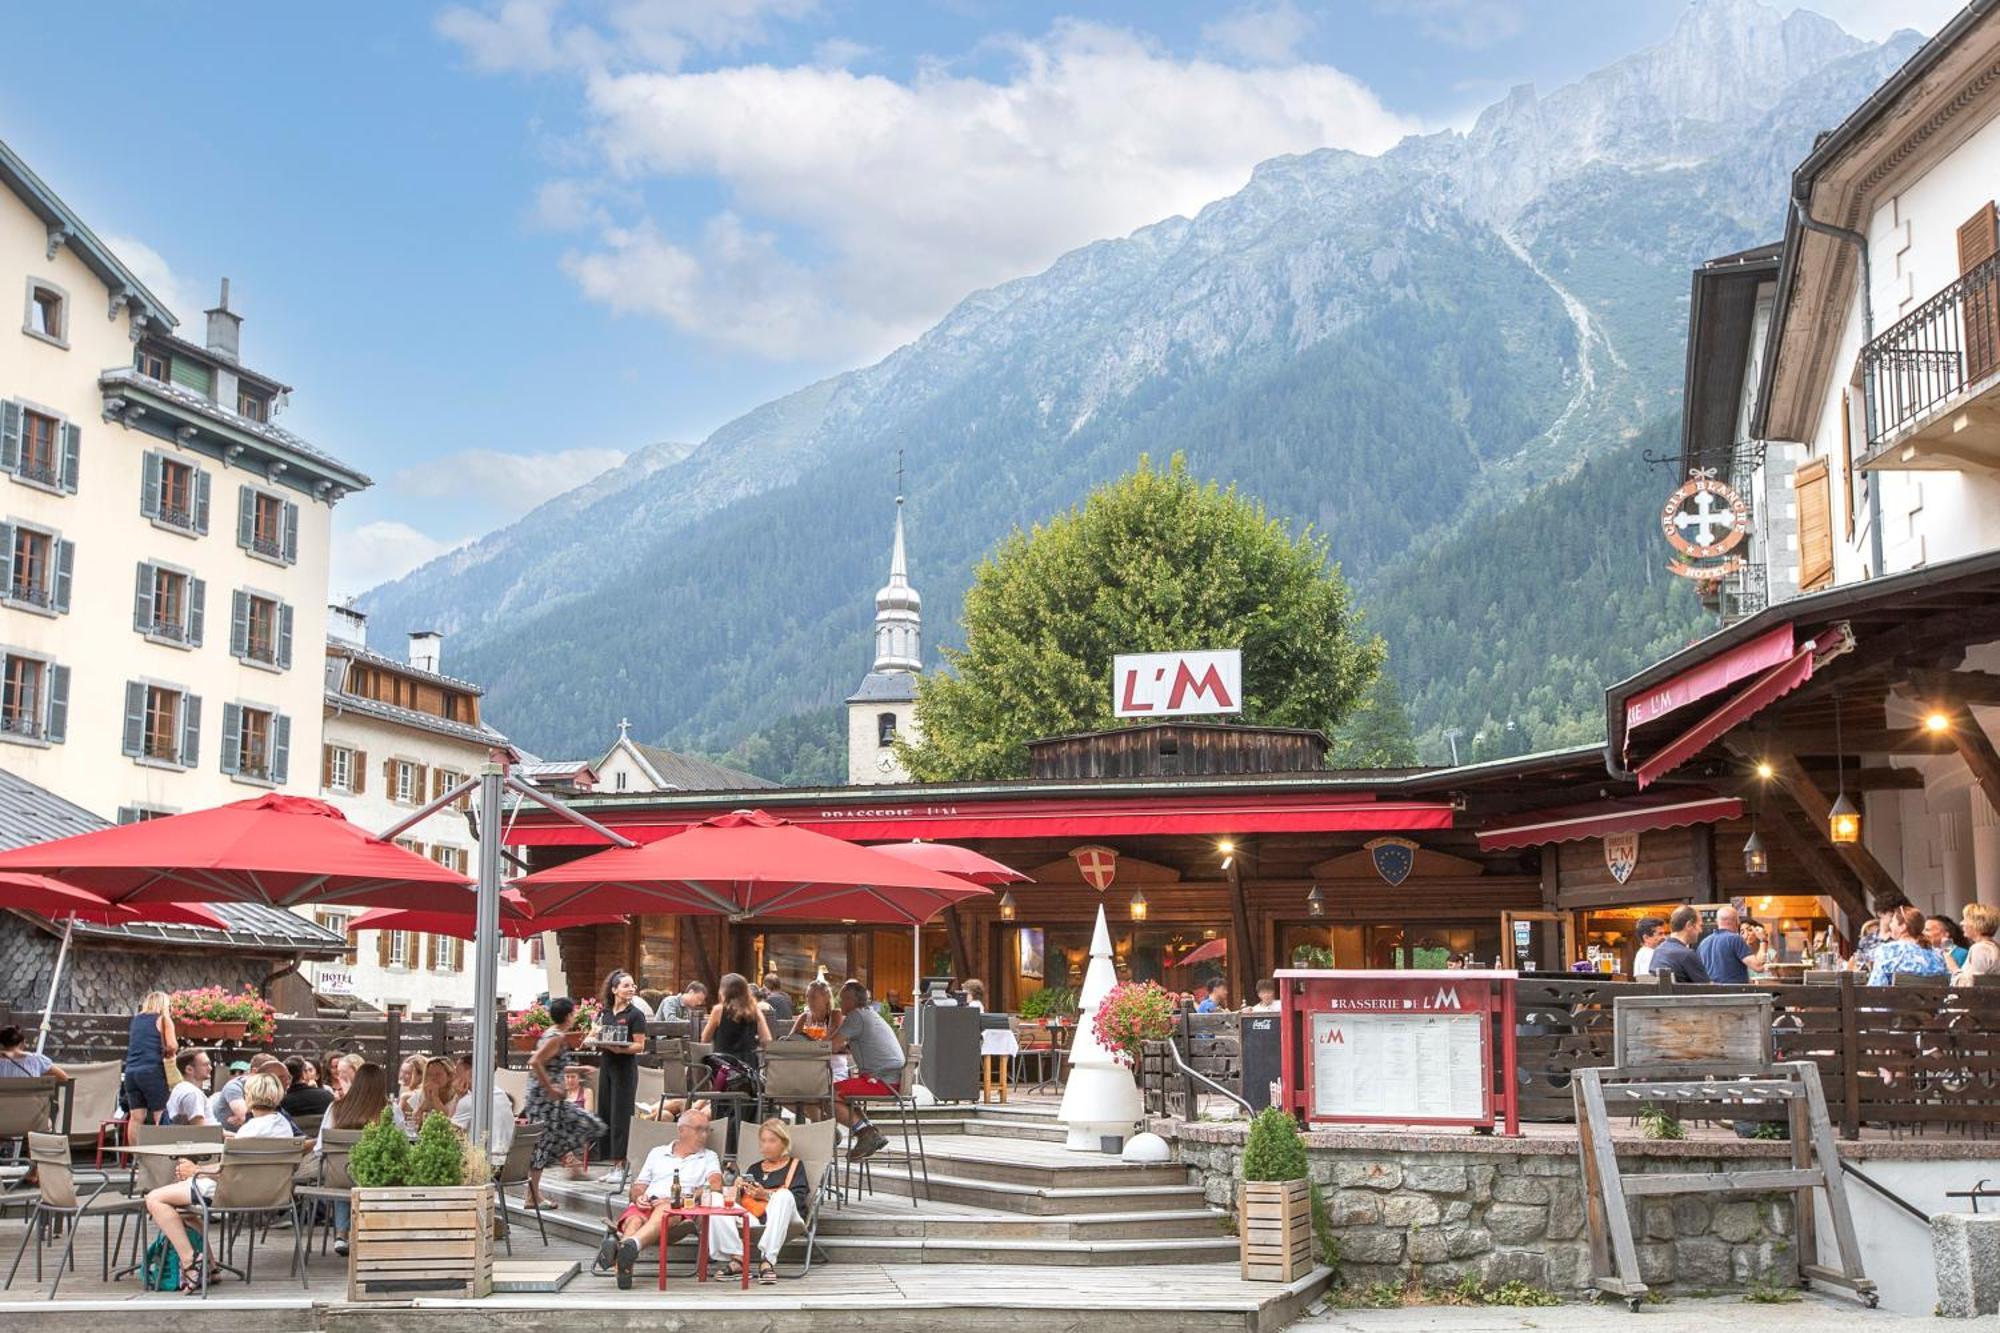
[1175, 955]
[1418, 945]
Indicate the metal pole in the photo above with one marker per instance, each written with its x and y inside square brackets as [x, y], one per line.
[486, 955]
[55, 980]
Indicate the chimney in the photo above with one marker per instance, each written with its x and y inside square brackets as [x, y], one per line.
[347, 625]
[225, 328]
[427, 650]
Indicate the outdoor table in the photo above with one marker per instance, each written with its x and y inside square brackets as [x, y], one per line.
[202, 1148]
[700, 1214]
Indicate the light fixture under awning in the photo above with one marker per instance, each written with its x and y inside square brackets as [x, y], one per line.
[1599, 818]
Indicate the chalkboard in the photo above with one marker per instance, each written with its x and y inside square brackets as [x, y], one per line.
[1261, 1058]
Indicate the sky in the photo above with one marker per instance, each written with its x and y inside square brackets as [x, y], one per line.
[495, 245]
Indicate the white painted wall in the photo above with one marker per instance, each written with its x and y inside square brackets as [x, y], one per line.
[1895, 1247]
[621, 771]
[96, 639]
[868, 762]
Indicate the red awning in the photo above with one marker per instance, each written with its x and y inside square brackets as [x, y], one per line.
[1773, 685]
[1598, 818]
[1762, 653]
[1035, 818]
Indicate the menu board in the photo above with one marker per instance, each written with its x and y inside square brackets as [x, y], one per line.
[1391, 1066]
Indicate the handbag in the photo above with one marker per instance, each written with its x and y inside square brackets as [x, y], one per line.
[756, 1207]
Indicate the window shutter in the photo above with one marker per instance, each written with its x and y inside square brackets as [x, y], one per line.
[142, 600]
[128, 814]
[72, 453]
[382, 948]
[191, 730]
[419, 784]
[65, 571]
[437, 783]
[246, 516]
[1811, 488]
[201, 502]
[1847, 458]
[325, 767]
[10, 436]
[291, 532]
[281, 748]
[6, 559]
[197, 610]
[232, 737]
[239, 623]
[360, 770]
[285, 635]
[56, 727]
[149, 489]
[430, 953]
[135, 718]
[1978, 240]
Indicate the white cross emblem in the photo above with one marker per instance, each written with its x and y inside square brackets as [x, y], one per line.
[1708, 522]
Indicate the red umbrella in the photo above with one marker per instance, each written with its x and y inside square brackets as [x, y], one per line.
[62, 902]
[517, 919]
[275, 849]
[1215, 948]
[748, 864]
[962, 862]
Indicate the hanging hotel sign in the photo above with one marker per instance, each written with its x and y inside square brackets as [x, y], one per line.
[1621, 854]
[1705, 521]
[1177, 684]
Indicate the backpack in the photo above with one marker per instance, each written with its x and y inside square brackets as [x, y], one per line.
[726, 1073]
[162, 1269]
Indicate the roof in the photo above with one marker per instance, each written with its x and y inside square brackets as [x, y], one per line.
[127, 381]
[339, 647]
[62, 221]
[340, 701]
[886, 687]
[553, 768]
[202, 353]
[1722, 312]
[31, 814]
[683, 772]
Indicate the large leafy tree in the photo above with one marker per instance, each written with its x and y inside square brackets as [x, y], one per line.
[1155, 561]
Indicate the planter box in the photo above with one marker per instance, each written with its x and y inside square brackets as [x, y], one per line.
[195, 1029]
[1274, 1229]
[525, 1041]
[407, 1243]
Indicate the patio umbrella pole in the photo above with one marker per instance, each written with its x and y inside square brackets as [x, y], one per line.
[55, 980]
[486, 957]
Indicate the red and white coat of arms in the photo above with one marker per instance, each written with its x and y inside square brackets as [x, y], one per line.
[1099, 865]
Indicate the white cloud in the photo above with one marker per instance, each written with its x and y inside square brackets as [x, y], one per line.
[373, 553]
[861, 207]
[152, 269]
[503, 485]
[539, 36]
[1875, 20]
[1262, 35]
[1468, 23]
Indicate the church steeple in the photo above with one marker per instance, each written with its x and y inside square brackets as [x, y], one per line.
[884, 710]
[898, 612]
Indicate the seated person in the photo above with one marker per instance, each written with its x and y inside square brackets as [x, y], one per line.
[261, 1095]
[302, 1096]
[17, 1061]
[688, 1160]
[187, 1104]
[776, 1191]
[502, 1115]
[1267, 996]
[866, 1038]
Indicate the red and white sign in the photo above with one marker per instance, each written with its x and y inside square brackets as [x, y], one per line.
[1177, 684]
[1098, 865]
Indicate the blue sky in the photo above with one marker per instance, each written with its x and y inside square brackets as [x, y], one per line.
[498, 243]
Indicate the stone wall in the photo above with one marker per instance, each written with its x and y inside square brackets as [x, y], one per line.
[1439, 1208]
[108, 979]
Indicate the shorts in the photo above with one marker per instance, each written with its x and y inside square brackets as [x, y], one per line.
[146, 1090]
[863, 1085]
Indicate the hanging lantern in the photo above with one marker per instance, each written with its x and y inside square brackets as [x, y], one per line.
[1138, 905]
[1756, 861]
[1316, 902]
[1006, 906]
[1843, 821]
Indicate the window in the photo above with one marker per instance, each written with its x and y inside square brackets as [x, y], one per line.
[340, 769]
[260, 629]
[262, 642]
[48, 313]
[162, 723]
[446, 949]
[35, 567]
[154, 363]
[452, 858]
[619, 783]
[510, 950]
[139, 814]
[252, 404]
[442, 781]
[256, 743]
[174, 494]
[336, 922]
[168, 604]
[267, 526]
[535, 951]
[411, 845]
[885, 729]
[406, 781]
[396, 948]
[39, 447]
[23, 697]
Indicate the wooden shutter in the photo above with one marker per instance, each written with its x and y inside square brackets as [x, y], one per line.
[284, 636]
[246, 516]
[430, 953]
[419, 785]
[201, 502]
[382, 948]
[1978, 241]
[239, 623]
[65, 575]
[281, 748]
[437, 783]
[197, 610]
[1811, 488]
[10, 436]
[6, 559]
[326, 767]
[142, 600]
[1847, 459]
[149, 489]
[56, 726]
[232, 737]
[291, 532]
[72, 453]
[359, 768]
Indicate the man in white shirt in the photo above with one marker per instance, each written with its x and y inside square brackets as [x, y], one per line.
[187, 1104]
[1651, 930]
[687, 1159]
[503, 1112]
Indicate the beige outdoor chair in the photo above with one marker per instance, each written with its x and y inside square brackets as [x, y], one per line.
[27, 1106]
[254, 1181]
[327, 1180]
[513, 1082]
[798, 1075]
[514, 1170]
[93, 1102]
[148, 1172]
[60, 1201]
[813, 1145]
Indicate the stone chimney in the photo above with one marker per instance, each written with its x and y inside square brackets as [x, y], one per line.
[225, 328]
[427, 650]
[347, 625]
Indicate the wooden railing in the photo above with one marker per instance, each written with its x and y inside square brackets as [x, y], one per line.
[1918, 1059]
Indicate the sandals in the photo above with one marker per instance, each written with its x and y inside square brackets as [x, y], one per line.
[767, 1274]
[732, 1268]
[191, 1284]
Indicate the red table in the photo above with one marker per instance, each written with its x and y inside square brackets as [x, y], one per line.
[700, 1216]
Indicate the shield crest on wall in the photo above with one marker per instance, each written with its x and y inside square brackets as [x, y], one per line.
[1394, 858]
[1621, 855]
[1098, 865]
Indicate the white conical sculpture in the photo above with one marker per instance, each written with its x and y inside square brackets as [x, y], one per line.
[1102, 1098]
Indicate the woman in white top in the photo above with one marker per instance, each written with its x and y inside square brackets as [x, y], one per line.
[261, 1094]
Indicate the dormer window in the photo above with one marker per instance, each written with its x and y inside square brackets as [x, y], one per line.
[253, 405]
[154, 363]
[48, 313]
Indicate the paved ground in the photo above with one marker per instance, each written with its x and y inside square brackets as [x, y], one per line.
[1811, 1314]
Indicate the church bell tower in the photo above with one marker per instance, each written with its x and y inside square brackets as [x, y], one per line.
[883, 709]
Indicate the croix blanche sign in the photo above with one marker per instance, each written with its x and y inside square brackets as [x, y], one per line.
[1183, 684]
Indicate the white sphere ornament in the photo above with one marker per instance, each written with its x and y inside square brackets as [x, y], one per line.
[923, 1096]
[1146, 1150]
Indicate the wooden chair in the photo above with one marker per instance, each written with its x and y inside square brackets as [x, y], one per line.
[256, 1179]
[60, 1201]
[903, 1100]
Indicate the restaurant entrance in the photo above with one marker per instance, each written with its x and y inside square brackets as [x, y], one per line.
[1388, 945]
[1177, 956]
[881, 957]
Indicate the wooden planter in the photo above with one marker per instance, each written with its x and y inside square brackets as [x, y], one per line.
[406, 1243]
[195, 1029]
[1274, 1229]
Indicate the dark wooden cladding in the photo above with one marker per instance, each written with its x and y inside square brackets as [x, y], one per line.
[1170, 749]
[1665, 871]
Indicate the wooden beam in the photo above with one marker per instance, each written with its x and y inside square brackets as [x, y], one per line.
[1853, 741]
[961, 957]
[1245, 945]
[1551, 876]
[690, 931]
[1873, 779]
[1784, 825]
[1966, 687]
[1976, 749]
[1701, 861]
[1814, 804]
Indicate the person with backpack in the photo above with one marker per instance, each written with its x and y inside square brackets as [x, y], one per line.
[166, 1204]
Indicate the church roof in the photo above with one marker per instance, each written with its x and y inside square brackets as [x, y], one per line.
[886, 687]
[684, 772]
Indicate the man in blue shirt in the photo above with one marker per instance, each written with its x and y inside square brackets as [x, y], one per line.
[1676, 956]
[1217, 999]
[1726, 955]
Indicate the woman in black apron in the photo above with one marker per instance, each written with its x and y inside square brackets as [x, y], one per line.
[619, 1039]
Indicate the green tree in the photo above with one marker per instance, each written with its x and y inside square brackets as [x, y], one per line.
[1152, 562]
[1377, 734]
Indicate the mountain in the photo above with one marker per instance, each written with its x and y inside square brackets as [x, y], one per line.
[1402, 350]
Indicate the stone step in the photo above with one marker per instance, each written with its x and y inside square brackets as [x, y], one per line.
[1068, 1253]
[986, 1158]
[1189, 1223]
[1039, 1200]
[1024, 1129]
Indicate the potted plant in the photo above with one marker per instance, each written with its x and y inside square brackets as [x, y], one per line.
[420, 1226]
[214, 1014]
[525, 1029]
[1274, 1224]
[1134, 1013]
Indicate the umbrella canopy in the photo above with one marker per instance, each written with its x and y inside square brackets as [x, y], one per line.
[517, 919]
[950, 859]
[748, 864]
[1215, 948]
[62, 902]
[275, 849]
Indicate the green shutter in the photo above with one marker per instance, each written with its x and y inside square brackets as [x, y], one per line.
[142, 600]
[239, 623]
[291, 532]
[194, 375]
[57, 728]
[65, 572]
[232, 737]
[72, 455]
[285, 636]
[281, 747]
[191, 730]
[10, 436]
[246, 516]
[149, 487]
[135, 718]
[197, 610]
[201, 501]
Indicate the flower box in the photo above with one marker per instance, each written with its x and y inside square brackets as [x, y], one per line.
[1274, 1229]
[417, 1242]
[200, 1029]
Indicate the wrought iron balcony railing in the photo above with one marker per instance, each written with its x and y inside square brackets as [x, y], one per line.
[1948, 345]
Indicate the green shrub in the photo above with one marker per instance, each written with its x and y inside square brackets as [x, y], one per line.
[380, 1159]
[1274, 1150]
[1049, 1002]
[1657, 1124]
[438, 1159]
[1521, 1293]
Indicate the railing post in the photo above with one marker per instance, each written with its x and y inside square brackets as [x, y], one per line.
[440, 1033]
[1850, 1057]
[392, 1044]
